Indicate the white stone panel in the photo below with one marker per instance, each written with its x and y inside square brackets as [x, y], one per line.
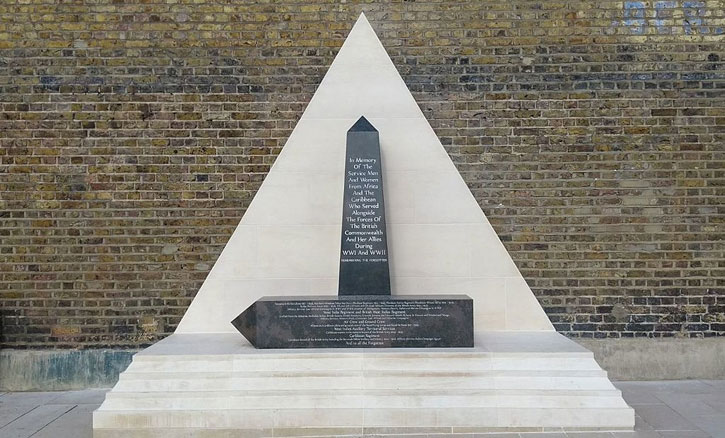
[315, 144]
[298, 198]
[288, 241]
[523, 313]
[489, 257]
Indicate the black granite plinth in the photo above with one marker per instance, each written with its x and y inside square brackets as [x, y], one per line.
[364, 251]
[358, 321]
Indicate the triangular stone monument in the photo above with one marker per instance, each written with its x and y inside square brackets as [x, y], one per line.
[206, 380]
[440, 242]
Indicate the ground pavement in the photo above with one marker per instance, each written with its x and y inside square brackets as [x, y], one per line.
[665, 409]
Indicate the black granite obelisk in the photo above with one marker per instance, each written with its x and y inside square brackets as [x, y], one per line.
[364, 251]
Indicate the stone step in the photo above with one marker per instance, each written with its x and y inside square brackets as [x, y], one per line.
[617, 418]
[512, 381]
[220, 400]
[352, 362]
[411, 374]
[379, 392]
[359, 382]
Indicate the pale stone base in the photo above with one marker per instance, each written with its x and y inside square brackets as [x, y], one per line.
[339, 432]
[217, 385]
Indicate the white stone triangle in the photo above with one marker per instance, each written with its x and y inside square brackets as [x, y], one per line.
[440, 242]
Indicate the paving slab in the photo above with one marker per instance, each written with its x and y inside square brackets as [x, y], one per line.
[11, 413]
[33, 421]
[687, 405]
[75, 423]
[662, 417]
[716, 401]
[711, 424]
[543, 435]
[685, 434]
[589, 435]
[637, 434]
[496, 435]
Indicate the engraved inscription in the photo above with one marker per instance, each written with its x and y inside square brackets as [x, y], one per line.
[365, 323]
[363, 229]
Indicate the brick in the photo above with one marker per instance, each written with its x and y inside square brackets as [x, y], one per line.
[133, 138]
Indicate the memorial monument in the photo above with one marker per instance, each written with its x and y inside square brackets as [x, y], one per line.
[290, 258]
[364, 315]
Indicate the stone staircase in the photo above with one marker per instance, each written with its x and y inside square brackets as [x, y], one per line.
[215, 385]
